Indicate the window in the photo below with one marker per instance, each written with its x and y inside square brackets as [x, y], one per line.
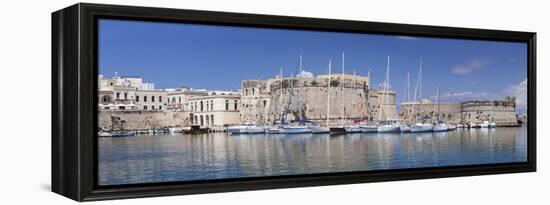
[211, 105]
[152, 98]
[252, 91]
[173, 99]
[121, 107]
[201, 109]
[226, 104]
[125, 96]
[117, 96]
[245, 92]
[202, 121]
[145, 107]
[160, 107]
[236, 105]
[160, 98]
[211, 119]
[207, 119]
[152, 107]
[265, 102]
[137, 98]
[144, 98]
[179, 99]
[196, 121]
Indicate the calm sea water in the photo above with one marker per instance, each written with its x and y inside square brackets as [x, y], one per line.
[168, 158]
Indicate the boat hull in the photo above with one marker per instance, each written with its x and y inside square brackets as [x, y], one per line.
[337, 130]
[319, 130]
[296, 130]
[388, 129]
[405, 129]
[421, 129]
[352, 129]
[275, 131]
[255, 130]
[368, 129]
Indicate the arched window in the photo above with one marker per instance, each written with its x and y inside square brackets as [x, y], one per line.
[201, 107]
[211, 119]
[211, 104]
[173, 100]
[207, 119]
[202, 121]
[196, 121]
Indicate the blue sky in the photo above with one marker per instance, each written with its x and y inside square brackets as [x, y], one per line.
[219, 57]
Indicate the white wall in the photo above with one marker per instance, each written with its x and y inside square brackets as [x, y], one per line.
[25, 147]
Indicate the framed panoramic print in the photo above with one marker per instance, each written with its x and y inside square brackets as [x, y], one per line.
[154, 102]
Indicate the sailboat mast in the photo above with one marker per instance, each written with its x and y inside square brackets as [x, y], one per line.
[343, 82]
[438, 92]
[300, 62]
[328, 90]
[408, 87]
[388, 89]
[281, 94]
[368, 96]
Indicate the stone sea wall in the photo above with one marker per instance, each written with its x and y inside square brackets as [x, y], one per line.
[141, 120]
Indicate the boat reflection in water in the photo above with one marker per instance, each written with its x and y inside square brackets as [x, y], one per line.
[185, 157]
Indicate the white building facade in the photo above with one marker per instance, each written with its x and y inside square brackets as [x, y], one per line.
[215, 111]
[130, 94]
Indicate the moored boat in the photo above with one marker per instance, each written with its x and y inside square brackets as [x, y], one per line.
[296, 129]
[440, 127]
[405, 128]
[387, 128]
[319, 129]
[422, 127]
[452, 127]
[122, 134]
[352, 129]
[368, 128]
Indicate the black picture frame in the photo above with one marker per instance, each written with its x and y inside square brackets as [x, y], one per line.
[74, 101]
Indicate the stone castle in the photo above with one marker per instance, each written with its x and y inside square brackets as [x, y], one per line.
[503, 112]
[351, 99]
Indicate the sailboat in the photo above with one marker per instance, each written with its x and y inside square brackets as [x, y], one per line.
[293, 128]
[278, 129]
[364, 127]
[405, 127]
[352, 128]
[319, 129]
[439, 126]
[419, 126]
[390, 125]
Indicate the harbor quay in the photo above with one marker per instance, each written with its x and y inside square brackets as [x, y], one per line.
[129, 103]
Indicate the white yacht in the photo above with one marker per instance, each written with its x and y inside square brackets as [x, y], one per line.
[368, 128]
[388, 128]
[352, 128]
[319, 129]
[405, 128]
[246, 129]
[422, 127]
[440, 127]
[296, 129]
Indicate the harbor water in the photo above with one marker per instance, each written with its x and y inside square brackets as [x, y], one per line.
[185, 157]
